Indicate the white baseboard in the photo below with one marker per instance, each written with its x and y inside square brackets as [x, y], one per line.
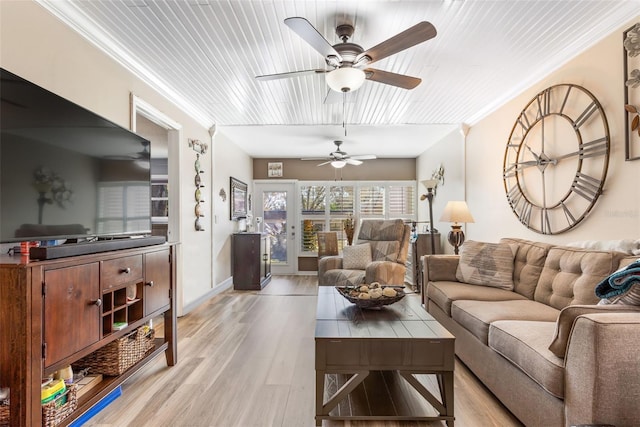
[226, 284]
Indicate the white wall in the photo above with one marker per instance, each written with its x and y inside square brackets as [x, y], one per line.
[449, 152]
[616, 214]
[38, 47]
[230, 161]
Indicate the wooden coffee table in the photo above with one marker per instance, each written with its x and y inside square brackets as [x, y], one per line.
[400, 337]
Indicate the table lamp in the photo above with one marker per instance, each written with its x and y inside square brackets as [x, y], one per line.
[455, 212]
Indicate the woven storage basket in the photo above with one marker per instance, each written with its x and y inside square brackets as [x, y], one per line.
[4, 414]
[118, 356]
[58, 409]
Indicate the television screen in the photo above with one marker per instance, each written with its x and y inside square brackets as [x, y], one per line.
[66, 172]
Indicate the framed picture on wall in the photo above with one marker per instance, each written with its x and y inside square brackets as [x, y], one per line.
[274, 169]
[238, 203]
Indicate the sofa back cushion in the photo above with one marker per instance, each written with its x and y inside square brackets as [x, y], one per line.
[527, 265]
[570, 275]
[487, 264]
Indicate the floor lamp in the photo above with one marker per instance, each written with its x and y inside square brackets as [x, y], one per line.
[430, 184]
[456, 212]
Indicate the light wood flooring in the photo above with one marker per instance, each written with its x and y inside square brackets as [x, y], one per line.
[246, 358]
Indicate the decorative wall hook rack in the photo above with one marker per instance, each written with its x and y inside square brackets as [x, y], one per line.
[198, 146]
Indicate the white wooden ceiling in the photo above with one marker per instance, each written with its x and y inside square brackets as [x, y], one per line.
[204, 55]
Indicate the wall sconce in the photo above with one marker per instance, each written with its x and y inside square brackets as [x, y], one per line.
[430, 184]
[456, 212]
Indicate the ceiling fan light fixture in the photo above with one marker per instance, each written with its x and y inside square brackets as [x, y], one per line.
[338, 164]
[345, 79]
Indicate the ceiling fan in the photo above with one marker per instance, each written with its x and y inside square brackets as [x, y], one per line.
[339, 159]
[347, 61]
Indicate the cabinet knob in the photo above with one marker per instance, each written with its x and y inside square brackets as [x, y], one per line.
[97, 302]
[150, 283]
[126, 270]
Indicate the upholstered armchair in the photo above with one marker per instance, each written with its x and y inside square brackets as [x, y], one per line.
[378, 255]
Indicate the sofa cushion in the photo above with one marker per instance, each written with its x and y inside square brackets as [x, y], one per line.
[567, 317]
[488, 264]
[476, 316]
[356, 257]
[344, 277]
[443, 293]
[524, 343]
[527, 264]
[570, 275]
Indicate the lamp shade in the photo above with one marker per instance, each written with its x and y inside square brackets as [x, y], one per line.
[338, 164]
[430, 183]
[456, 211]
[345, 79]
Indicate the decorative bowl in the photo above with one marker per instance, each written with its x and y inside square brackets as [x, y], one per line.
[351, 294]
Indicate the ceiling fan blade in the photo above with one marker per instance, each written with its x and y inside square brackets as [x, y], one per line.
[289, 74]
[353, 161]
[393, 79]
[316, 158]
[308, 32]
[419, 33]
[325, 163]
[364, 157]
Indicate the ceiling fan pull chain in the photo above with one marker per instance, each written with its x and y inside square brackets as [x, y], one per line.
[344, 112]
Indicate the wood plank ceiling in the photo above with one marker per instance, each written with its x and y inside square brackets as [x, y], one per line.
[204, 54]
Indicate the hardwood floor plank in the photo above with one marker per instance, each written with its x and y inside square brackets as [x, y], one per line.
[247, 359]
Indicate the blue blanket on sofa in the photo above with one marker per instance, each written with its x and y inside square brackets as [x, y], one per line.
[620, 281]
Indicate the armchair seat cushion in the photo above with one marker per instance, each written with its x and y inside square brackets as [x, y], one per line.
[344, 277]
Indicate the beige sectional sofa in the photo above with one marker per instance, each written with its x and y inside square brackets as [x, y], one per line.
[590, 375]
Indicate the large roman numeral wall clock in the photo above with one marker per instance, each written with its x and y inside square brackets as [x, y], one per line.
[556, 159]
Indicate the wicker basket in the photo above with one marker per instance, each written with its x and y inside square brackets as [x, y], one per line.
[4, 414]
[118, 356]
[58, 409]
[351, 295]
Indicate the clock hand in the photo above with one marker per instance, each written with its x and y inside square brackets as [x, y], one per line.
[537, 157]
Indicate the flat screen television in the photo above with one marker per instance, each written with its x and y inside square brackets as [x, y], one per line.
[65, 172]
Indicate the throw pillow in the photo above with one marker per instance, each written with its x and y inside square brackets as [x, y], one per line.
[488, 264]
[567, 317]
[621, 287]
[356, 257]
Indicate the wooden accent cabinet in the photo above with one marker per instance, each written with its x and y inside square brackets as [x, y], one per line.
[251, 261]
[422, 246]
[54, 312]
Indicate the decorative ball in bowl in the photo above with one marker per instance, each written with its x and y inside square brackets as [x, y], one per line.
[373, 295]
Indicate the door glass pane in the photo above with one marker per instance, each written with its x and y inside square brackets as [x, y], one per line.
[274, 205]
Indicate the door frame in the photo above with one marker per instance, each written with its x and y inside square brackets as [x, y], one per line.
[290, 186]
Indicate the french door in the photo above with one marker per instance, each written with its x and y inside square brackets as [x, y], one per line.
[275, 205]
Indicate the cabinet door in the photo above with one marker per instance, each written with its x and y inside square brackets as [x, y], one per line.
[157, 281]
[71, 310]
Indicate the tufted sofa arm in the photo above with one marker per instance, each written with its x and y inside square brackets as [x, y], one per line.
[439, 267]
[601, 361]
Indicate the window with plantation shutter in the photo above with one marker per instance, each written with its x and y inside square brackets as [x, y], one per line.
[128, 202]
[324, 206]
[402, 200]
[341, 200]
[372, 201]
